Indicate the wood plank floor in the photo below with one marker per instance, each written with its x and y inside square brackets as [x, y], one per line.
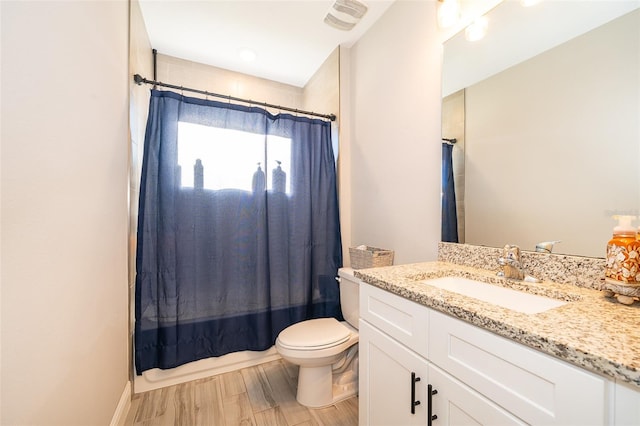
[263, 395]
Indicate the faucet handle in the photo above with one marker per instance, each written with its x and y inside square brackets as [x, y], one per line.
[546, 246]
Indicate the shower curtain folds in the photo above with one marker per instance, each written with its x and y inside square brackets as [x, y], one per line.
[225, 270]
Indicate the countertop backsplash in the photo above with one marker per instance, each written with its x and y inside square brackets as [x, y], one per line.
[580, 271]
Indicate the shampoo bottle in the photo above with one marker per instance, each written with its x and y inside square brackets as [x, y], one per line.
[623, 251]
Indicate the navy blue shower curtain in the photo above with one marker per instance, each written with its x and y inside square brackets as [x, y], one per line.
[225, 270]
[449, 215]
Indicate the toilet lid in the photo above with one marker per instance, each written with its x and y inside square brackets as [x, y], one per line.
[314, 334]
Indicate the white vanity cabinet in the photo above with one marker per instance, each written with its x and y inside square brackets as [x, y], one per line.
[476, 377]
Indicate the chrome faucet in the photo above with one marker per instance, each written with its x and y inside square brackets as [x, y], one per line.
[510, 262]
[512, 266]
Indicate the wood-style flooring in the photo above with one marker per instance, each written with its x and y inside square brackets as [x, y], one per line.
[261, 395]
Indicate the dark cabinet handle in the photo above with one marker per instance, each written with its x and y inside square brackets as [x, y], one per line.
[430, 416]
[414, 379]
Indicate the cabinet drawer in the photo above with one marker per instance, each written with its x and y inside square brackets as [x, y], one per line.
[535, 387]
[402, 319]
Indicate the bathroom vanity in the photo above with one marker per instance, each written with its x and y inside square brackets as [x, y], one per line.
[436, 355]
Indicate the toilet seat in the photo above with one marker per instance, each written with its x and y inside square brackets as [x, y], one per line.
[313, 335]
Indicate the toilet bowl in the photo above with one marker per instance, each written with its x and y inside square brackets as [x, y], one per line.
[325, 350]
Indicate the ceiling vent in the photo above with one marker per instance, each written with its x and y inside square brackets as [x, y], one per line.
[345, 14]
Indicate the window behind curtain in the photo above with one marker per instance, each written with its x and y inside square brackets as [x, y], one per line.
[229, 157]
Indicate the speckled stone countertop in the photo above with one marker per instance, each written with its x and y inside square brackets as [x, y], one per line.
[590, 330]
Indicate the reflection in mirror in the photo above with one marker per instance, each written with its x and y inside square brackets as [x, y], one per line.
[548, 147]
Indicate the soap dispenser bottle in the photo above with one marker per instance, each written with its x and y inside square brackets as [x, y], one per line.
[623, 252]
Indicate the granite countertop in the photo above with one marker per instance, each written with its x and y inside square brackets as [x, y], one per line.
[590, 330]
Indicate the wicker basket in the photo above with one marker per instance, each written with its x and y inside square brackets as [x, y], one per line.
[370, 257]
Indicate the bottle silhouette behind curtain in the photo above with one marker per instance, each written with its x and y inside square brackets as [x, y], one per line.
[198, 175]
[259, 181]
[279, 179]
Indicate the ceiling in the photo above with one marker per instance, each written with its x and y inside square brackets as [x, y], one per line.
[289, 38]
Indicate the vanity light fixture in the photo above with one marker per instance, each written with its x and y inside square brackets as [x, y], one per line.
[477, 29]
[448, 13]
[345, 14]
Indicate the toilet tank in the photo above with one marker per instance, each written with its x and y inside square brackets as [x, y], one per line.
[349, 296]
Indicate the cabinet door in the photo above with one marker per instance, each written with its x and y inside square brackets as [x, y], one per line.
[385, 377]
[456, 404]
[537, 388]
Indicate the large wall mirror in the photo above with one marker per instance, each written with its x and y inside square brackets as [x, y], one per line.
[545, 111]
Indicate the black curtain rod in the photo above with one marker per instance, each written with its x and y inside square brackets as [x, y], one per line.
[139, 80]
[450, 141]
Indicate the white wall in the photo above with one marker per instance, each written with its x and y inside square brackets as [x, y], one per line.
[344, 158]
[64, 211]
[321, 94]
[395, 135]
[140, 62]
[195, 75]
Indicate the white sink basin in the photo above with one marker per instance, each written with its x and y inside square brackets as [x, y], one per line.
[507, 298]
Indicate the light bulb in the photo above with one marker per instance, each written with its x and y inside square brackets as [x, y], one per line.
[477, 30]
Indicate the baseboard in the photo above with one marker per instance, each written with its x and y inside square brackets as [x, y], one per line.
[120, 415]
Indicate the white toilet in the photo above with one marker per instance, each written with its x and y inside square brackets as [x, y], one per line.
[326, 350]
